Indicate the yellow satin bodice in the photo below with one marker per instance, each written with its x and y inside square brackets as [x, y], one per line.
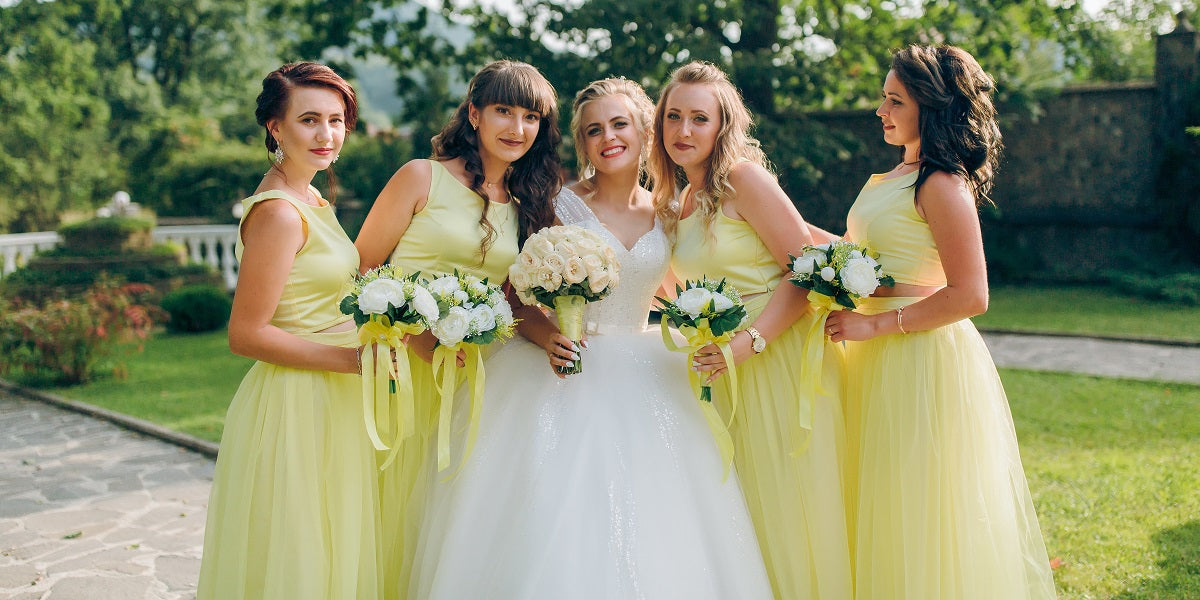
[731, 249]
[445, 235]
[322, 267]
[885, 217]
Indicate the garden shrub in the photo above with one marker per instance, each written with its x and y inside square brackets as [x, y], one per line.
[107, 234]
[73, 340]
[1181, 287]
[197, 308]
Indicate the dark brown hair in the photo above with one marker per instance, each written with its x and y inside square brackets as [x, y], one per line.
[535, 178]
[957, 121]
[277, 92]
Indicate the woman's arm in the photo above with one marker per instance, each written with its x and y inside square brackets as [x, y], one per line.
[949, 208]
[820, 236]
[273, 233]
[405, 194]
[762, 203]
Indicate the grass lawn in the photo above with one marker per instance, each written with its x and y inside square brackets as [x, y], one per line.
[1112, 468]
[183, 382]
[1088, 310]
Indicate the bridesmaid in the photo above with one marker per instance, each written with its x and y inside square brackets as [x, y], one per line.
[490, 183]
[294, 508]
[944, 510]
[733, 221]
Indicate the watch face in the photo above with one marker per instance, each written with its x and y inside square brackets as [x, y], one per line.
[759, 344]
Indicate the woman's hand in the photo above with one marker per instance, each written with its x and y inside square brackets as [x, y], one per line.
[710, 360]
[843, 325]
[562, 352]
[423, 345]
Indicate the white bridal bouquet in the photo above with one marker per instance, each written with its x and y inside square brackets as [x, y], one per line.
[565, 267]
[706, 312]
[388, 305]
[471, 313]
[838, 273]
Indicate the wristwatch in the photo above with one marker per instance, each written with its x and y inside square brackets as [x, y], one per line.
[758, 343]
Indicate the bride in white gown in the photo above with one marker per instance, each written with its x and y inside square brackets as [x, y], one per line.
[606, 484]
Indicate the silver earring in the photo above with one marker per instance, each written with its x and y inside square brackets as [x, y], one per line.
[335, 157]
[278, 153]
[474, 126]
[589, 171]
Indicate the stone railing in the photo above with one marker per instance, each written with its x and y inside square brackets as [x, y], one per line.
[210, 244]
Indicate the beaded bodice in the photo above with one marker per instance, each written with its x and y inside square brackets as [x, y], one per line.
[642, 269]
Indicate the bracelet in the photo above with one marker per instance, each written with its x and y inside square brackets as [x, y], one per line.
[358, 358]
[900, 320]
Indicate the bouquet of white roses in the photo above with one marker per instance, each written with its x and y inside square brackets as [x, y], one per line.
[838, 273]
[706, 312]
[387, 306]
[471, 314]
[565, 267]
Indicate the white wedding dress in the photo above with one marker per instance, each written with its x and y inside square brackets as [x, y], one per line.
[605, 485]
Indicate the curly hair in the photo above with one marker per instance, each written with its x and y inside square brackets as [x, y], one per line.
[957, 122]
[535, 178]
[277, 86]
[734, 144]
[641, 108]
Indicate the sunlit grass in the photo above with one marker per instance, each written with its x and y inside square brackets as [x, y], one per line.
[1088, 310]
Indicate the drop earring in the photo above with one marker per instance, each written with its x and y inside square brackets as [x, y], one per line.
[278, 153]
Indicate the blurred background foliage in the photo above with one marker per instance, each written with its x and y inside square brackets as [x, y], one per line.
[156, 97]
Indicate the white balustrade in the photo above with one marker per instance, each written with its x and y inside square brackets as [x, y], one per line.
[210, 244]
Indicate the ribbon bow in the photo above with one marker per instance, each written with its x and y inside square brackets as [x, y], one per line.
[698, 337]
[445, 370]
[380, 337]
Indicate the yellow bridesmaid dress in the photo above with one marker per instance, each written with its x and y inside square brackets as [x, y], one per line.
[943, 507]
[445, 235]
[294, 508]
[788, 438]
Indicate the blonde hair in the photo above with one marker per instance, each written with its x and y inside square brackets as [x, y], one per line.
[734, 144]
[640, 107]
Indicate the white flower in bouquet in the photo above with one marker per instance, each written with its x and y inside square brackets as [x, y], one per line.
[693, 301]
[600, 280]
[804, 264]
[574, 271]
[555, 261]
[721, 302]
[827, 273]
[377, 295]
[424, 304]
[468, 308]
[452, 328]
[858, 276]
[443, 286]
[483, 318]
[461, 296]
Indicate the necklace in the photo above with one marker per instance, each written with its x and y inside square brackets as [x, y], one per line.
[301, 196]
[911, 163]
[491, 184]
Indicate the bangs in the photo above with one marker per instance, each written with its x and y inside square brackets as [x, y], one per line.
[519, 86]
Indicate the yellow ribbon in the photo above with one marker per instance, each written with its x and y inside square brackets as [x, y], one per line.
[569, 311]
[697, 338]
[445, 369]
[380, 337]
[812, 367]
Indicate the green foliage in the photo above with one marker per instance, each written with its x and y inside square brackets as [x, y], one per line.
[106, 235]
[1088, 310]
[197, 308]
[207, 180]
[365, 166]
[1181, 288]
[74, 339]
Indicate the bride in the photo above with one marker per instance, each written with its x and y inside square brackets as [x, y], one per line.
[608, 483]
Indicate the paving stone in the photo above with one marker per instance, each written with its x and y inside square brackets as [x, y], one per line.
[178, 572]
[64, 522]
[17, 576]
[102, 588]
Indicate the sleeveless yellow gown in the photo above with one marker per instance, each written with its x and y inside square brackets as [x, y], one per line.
[789, 464]
[293, 512]
[445, 235]
[943, 507]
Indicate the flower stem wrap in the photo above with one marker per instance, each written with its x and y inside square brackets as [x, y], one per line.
[569, 310]
[812, 366]
[697, 338]
[393, 391]
[445, 370]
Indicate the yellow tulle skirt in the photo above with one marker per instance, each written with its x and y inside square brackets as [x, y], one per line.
[791, 475]
[293, 513]
[943, 507]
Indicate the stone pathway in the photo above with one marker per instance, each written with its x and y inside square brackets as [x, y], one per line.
[91, 511]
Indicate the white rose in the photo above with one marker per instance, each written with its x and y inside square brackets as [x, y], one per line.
[599, 280]
[856, 254]
[504, 315]
[555, 261]
[546, 278]
[443, 286]
[528, 260]
[827, 273]
[586, 244]
[424, 304]
[574, 271]
[377, 295]
[479, 287]
[693, 301]
[460, 296]
[593, 263]
[804, 265]
[566, 248]
[540, 246]
[452, 328]
[858, 277]
[483, 318]
[721, 302]
[609, 256]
